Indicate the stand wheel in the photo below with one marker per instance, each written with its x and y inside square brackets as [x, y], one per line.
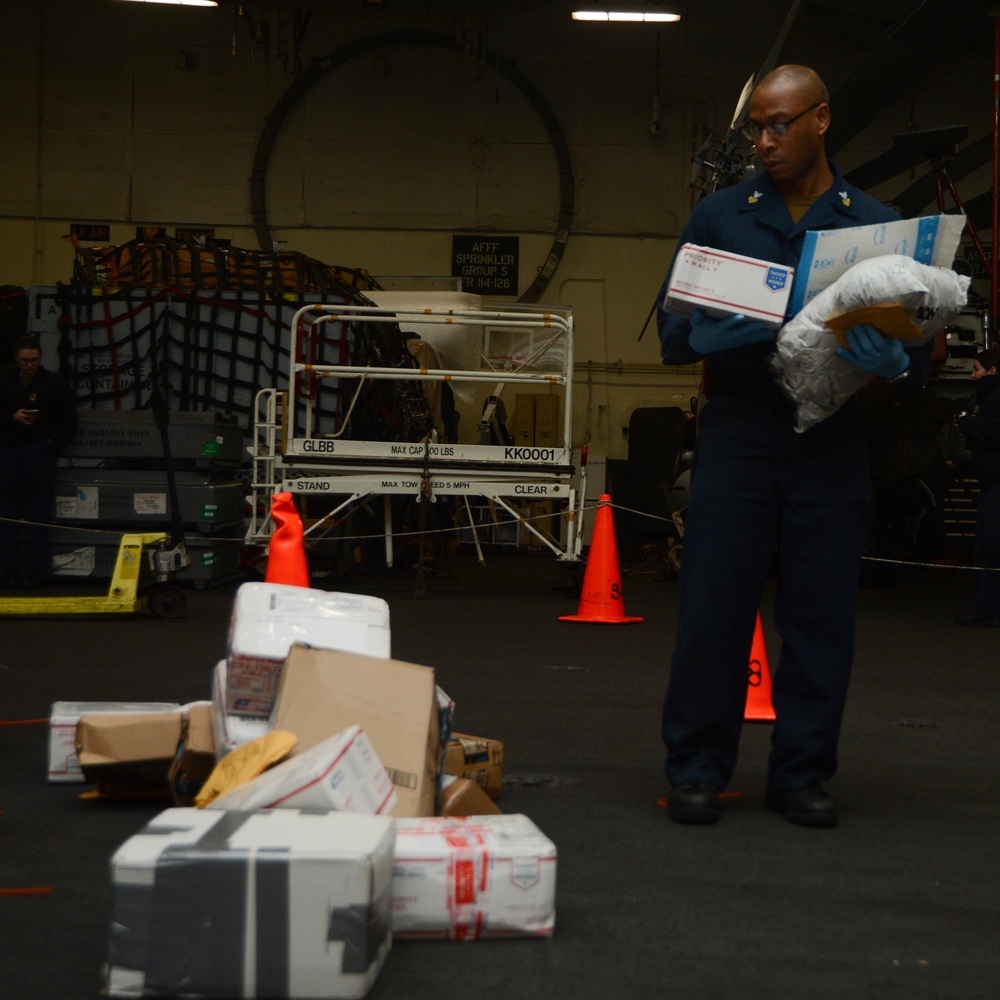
[166, 601]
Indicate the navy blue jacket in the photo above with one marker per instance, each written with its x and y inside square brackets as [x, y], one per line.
[982, 429]
[47, 392]
[752, 219]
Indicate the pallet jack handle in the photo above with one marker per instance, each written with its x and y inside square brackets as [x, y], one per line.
[161, 414]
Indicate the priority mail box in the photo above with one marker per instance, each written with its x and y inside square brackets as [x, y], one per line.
[323, 691]
[478, 877]
[229, 729]
[277, 903]
[64, 764]
[478, 759]
[342, 773]
[724, 284]
[267, 618]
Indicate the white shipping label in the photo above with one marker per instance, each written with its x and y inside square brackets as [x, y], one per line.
[150, 503]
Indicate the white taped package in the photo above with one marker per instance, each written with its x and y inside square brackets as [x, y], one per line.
[268, 618]
[806, 363]
[342, 773]
[474, 877]
[275, 903]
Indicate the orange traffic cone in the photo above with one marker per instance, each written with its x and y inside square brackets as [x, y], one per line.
[286, 557]
[759, 707]
[601, 595]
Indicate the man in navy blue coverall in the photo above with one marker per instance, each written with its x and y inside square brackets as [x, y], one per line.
[764, 495]
[37, 417]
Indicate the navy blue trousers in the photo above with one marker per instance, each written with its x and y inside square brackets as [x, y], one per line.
[987, 551]
[27, 480]
[763, 495]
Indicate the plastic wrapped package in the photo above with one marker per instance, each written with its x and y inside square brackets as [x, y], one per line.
[806, 364]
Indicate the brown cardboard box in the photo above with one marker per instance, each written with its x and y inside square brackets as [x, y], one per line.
[134, 749]
[195, 759]
[323, 691]
[462, 797]
[480, 760]
[546, 420]
[524, 419]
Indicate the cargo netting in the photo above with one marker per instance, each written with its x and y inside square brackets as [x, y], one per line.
[132, 322]
[164, 262]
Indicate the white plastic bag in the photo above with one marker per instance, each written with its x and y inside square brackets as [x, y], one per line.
[806, 364]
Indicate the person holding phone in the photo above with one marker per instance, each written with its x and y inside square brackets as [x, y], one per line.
[37, 418]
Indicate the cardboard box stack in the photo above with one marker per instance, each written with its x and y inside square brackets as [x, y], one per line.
[269, 618]
[377, 816]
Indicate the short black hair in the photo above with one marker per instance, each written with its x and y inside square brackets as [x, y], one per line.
[28, 343]
[990, 358]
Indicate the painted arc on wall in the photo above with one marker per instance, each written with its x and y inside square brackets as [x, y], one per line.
[320, 67]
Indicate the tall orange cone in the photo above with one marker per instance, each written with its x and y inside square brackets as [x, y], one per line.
[759, 707]
[601, 595]
[286, 557]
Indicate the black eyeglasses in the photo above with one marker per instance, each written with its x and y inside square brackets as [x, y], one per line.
[28, 361]
[753, 131]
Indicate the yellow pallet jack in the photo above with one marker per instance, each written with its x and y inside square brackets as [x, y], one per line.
[163, 599]
[167, 556]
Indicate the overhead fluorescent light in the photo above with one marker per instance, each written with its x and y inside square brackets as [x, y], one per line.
[624, 15]
[183, 3]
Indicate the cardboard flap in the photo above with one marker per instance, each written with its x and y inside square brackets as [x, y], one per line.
[324, 691]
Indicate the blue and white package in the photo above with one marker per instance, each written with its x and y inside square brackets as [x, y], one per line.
[829, 253]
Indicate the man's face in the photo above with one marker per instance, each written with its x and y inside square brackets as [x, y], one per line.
[28, 360]
[790, 157]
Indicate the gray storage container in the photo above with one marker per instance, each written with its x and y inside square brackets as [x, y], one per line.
[201, 439]
[91, 556]
[139, 499]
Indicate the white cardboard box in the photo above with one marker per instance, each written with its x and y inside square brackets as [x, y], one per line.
[268, 618]
[723, 284]
[342, 773]
[279, 903]
[473, 877]
[64, 764]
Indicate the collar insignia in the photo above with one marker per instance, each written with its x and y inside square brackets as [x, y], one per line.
[844, 199]
[752, 200]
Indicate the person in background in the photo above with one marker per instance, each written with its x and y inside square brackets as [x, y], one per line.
[37, 418]
[981, 428]
[763, 495]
